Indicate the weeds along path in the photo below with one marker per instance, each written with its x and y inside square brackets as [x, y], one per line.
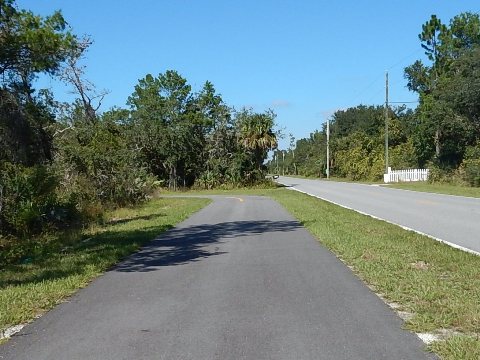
[240, 279]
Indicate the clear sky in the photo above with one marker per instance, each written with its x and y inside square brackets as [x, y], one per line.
[305, 59]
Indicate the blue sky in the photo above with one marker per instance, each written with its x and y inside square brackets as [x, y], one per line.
[304, 59]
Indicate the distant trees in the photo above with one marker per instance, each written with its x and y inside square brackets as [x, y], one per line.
[62, 164]
[445, 128]
[356, 145]
[195, 137]
[443, 132]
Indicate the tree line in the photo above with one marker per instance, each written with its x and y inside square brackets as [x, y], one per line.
[62, 164]
[442, 133]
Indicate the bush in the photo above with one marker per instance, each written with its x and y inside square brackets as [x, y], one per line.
[30, 206]
[29, 202]
[97, 164]
[471, 165]
[403, 156]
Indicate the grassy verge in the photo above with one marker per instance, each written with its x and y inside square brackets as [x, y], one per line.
[439, 188]
[438, 285]
[337, 179]
[27, 290]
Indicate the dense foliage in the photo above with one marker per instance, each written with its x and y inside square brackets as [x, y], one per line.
[442, 133]
[62, 164]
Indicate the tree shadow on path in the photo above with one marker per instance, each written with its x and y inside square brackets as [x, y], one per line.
[193, 243]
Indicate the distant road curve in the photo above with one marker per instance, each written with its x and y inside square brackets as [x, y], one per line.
[452, 219]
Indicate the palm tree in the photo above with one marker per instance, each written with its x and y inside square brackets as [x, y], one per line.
[257, 135]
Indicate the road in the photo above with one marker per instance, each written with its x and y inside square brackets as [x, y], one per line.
[454, 219]
[241, 279]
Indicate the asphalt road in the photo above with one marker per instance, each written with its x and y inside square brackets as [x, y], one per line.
[454, 219]
[240, 279]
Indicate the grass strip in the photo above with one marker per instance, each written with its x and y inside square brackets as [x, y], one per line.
[458, 347]
[29, 289]
[437, 284]
[438, 188]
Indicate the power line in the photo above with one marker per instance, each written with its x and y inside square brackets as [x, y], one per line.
[405, 58]
[404, 102]
[363, 90]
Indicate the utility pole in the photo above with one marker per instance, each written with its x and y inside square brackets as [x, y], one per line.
[294, 164]
[328, 149]
[386, 122]
[276, 162]
[283, 162]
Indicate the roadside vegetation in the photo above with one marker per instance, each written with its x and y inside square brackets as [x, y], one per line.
[62, 165]
[439, 188]
[432, 286]
[436, 287]
[69, 261]
[76, 183]
[442, 133]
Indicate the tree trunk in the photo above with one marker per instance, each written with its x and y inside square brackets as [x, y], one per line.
[170, 179]
[438, 147]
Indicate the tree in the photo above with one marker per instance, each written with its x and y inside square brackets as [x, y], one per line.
[369, 119]
[220, 141]
[169, 126]
[465, 33]
[29, 45]
[462, 87]
[256, 134]
[444, 47]
[73, 74]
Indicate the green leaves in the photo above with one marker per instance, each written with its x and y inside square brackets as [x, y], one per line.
[449, 89]
[31, 44]
[191, 137]
[256, 134]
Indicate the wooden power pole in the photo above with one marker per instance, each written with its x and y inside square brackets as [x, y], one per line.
[386, 122]
[328, 149]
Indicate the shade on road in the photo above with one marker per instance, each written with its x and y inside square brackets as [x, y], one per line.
[240, 279]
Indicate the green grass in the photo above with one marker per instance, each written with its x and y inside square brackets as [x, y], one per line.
[338, 179]
[29, 289]
[439, 285]
[439, 188]
[458, 347]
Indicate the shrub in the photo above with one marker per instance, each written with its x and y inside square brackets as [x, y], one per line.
[28, 201]
[29, 206]
[471, 165]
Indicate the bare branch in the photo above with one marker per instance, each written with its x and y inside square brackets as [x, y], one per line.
[58, 132]
[73, 74]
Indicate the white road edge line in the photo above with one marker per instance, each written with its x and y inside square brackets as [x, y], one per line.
[9, 332]
[427, 338]
[459, 247]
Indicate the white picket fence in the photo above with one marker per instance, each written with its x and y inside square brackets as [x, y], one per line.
[405, 175]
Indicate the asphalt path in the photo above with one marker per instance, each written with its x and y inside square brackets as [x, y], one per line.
[241, 279]
[453, 219]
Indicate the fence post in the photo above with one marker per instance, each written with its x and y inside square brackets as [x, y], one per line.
[406, 175]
